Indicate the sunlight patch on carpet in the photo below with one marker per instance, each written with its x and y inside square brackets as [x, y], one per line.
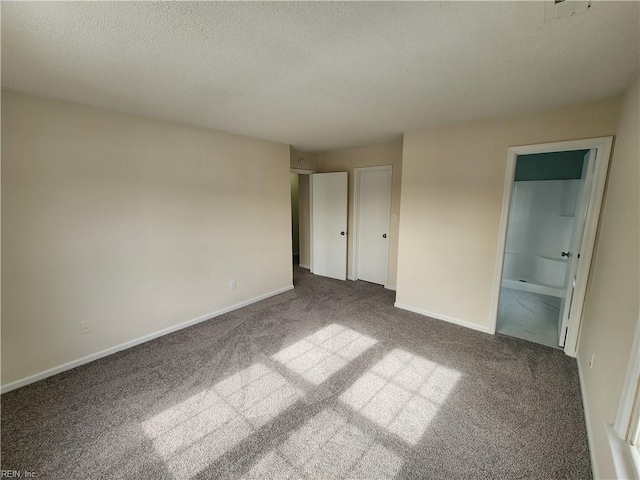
[402, 393]
[321, 354]
[328, 446]
[196, 432]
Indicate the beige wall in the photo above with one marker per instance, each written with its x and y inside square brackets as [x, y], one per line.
[310, 159]
[304, 230]
[133, 224]
[346, 161]
[452, 186]
[611, 308]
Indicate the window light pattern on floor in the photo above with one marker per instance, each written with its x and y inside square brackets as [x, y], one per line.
[328, 447]
[402, 393]
[324, 352]
[193, 434]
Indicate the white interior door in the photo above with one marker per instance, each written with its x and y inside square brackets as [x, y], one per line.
[373, 210]
[573, 262]
[329, 224]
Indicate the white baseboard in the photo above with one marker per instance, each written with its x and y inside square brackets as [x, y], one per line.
[445, 318]
[351, 277]
[132, 343]
[587, 421]
[304, 266]
[390, 287]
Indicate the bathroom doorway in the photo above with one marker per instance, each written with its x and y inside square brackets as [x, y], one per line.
[552, 202]
[542, 222]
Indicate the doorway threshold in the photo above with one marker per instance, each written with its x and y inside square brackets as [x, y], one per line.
[529, 316]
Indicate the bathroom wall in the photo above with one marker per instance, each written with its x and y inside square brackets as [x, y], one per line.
[541, 222]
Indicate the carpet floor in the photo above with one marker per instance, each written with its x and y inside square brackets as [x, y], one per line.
[326, 381]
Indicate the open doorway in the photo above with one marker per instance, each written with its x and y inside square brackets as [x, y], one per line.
[542, 223]
[300, 218]
[551, 207]
[295, 219]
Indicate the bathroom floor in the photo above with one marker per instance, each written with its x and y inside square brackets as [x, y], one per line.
[530, 316]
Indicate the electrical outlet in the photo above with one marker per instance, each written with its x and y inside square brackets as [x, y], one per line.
[85, 327]
[232, 285]
[593, 356]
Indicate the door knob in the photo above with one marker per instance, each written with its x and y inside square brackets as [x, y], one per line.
[566, 254]
[341, 233]
[384, 235]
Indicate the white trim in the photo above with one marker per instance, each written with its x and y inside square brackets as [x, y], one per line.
[626, 457]
[588, 243]
[635, 460]
[587, 421]
[351, 277]
[627, 399]
[301, 265]
[603, 147]
[445, 318]
[356, 213]
[390, 287]
[622, 455]
[301, 171]
[132, 343]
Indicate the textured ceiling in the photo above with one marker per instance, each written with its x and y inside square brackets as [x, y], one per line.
[319, 76]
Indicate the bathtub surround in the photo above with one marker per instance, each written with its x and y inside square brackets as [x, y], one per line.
[504, 408]
[541, 221]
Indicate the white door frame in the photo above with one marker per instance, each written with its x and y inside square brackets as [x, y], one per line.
[603, 148]
[356, 214]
